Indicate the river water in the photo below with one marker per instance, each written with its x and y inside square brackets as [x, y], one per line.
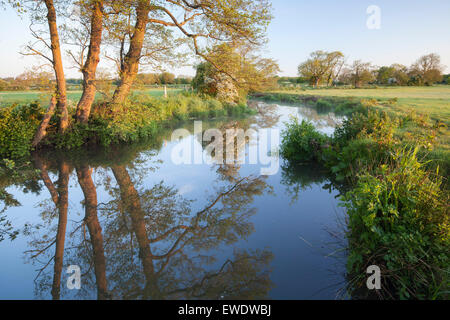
[137, 225]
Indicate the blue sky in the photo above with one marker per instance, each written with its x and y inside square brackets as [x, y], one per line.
[409, 29]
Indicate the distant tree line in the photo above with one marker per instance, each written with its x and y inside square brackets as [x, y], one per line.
[161, 79]
[330, 68]
[45, 81]
[28, 80]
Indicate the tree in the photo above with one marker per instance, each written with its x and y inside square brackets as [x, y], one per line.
[361, 73]
[4, 85]
[45, 10]
[385, 75]
[446, 79]
[335, 62]
[427, 69]
[94, 9]
[400, 74]
[322, 66]
[245, 72]
[314, 68]
[146, 79]
[145, 32]
[36, 78]
[167, 78]
[203, 21]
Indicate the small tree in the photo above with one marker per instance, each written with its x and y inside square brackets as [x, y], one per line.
[385, 75]
[361, 73]
[322, 66]
[167, 78]
[243, 73]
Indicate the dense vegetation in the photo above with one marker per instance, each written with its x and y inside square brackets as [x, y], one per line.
[398, 200]
[139, 118]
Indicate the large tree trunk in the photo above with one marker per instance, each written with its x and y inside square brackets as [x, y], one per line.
[58, 66]
[94, 228]
[132, 204]
[90, 67]
[41, 132]
[62, 206]
[130, 64]
[61, 91]
[317, 82]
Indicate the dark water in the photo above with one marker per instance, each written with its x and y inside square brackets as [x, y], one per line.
[141, 227]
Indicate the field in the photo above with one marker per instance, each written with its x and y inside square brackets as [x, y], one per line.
[434, 101]
[19, 97]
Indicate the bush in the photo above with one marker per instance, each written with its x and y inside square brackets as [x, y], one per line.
[399, 221]
[17, 127]
[301, 142]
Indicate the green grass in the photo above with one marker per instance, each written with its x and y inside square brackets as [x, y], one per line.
[19, 97]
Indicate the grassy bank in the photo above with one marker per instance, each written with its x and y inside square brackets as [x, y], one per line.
[433, 101]
[139, 118]
[418, 122]
[395, 161]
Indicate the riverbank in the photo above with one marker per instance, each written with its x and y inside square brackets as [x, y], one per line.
[396, 164]
[140, 118]
[419, 123]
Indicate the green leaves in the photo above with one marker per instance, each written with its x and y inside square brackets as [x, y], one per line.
[400, 211]
[301, 142]
[17, 127]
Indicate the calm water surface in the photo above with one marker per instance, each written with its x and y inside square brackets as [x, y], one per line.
[141, 227]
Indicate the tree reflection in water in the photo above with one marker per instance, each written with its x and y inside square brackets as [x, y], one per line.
[147, 243]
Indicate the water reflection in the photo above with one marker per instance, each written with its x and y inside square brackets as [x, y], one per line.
[141, 228]
[156, 245]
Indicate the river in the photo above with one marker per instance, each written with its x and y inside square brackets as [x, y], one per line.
[138, 225]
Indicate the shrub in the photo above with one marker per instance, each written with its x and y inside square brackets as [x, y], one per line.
[17, 127]
[301, 142]
[374, 124]
[399, 220]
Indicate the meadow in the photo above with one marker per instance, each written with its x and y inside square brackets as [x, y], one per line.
[434, 101]
[21, 97]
